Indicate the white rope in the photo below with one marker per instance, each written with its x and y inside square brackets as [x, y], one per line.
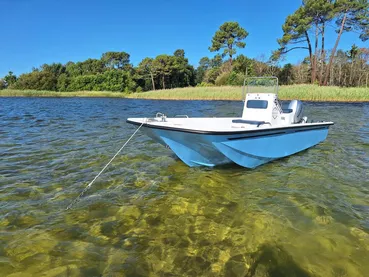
[97, 176]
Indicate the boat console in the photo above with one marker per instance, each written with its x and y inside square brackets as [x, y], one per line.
[262, 105]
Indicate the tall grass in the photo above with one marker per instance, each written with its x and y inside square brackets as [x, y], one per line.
[44, 93]
[301, 92]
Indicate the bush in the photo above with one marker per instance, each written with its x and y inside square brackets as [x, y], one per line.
[204, 84]
[111, 80]
[139, 89]
[236, 79]
[39, 80]
[2, 84]
[222, 79]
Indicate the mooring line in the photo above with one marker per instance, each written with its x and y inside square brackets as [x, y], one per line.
[97, 176]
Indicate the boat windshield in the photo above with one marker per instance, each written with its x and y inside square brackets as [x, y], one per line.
[260, 85]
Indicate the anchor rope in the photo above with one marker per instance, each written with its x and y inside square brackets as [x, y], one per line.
[102, 170]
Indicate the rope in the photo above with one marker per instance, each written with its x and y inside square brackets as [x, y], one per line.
[102, 170]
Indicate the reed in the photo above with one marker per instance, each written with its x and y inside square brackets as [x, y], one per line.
[44, 93]
[301, 92]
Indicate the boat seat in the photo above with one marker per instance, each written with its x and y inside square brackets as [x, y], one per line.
[287, 110]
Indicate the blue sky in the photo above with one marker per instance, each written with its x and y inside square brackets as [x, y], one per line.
[34, 32]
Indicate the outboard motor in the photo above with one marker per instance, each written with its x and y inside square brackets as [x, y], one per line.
[297, 110]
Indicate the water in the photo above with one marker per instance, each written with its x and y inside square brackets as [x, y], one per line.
[151, 215]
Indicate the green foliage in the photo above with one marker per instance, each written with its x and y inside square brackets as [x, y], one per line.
[41, 80]
[286, 75]
[203, 84]
[165, 71]
[2, 84]
[356, 15]
[235, 79]
[83, 82]
[139, 89]
[222, 79]
[55, 69]
[180, 53]
[204, 64]
[200, 73]
[216, 61]
[146, 74]
[111, 80]
[229, 36]
[211, 75]
[63, 82]
[117, 60]
[353, 52]
[10, 79]
[243, 65]
[295, 31]
[312, 18]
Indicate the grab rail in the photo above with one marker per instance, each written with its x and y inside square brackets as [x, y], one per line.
[182, 115]
[161, 115]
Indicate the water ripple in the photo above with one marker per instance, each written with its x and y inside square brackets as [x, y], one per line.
[149, 214]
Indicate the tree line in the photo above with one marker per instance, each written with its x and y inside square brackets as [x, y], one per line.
[305, 29]
[112, 72]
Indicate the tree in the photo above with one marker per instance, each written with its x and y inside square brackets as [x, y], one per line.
[162, 64]
[204, 65]
[228, 37]
[350, 15]
[244, 65]
[352, 54]
[286, 74]
[39, 80]
[62, 82]
[117, 60]
[179, 53]
[182, 74]
[145, 68]
[10, 79]
[320, 12]
[92, 66]
[296, 36]
[211, 75]
[295, 32]
[216, 61]
[2, 84]
[311, 17]
[55, 69]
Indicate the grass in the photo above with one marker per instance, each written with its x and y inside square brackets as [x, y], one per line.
[45, 93]
[301, 92]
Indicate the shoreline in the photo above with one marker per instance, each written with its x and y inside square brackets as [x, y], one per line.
[310, 93]
[190, 99]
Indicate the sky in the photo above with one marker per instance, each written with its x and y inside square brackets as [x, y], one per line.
[34, 32]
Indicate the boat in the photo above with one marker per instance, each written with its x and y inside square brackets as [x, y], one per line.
[266, 131]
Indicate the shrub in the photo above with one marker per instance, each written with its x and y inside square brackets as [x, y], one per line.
[222, 79]
[204, 84]
[235, 79]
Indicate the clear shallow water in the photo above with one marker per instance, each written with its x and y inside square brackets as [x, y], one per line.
[150, 215]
